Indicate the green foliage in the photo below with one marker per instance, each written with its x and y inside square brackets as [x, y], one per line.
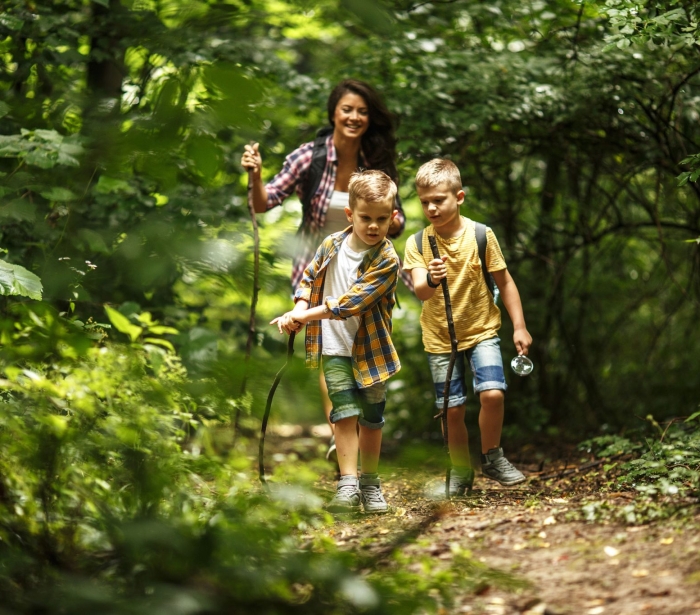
[664, 470]
[16, 280]
[116, 495]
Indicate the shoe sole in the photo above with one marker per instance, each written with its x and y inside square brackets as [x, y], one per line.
[506, 484]
[377, 512]
[344, 509]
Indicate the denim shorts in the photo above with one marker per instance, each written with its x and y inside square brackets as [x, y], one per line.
[349, 399]
[486, 366]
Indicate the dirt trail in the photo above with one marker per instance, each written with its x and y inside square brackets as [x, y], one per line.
[534, 533]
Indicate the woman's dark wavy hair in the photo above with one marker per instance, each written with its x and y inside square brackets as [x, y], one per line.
[379, 142]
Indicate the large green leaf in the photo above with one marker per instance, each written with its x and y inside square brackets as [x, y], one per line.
[16, 280]
[121, 323]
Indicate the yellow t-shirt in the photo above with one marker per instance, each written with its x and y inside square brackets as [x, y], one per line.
[475, 315]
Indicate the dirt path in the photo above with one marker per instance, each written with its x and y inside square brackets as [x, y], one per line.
[539, 555]
[571, 567]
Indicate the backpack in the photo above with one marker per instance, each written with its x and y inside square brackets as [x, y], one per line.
[312, 181]
[481, 240]
[315, 172]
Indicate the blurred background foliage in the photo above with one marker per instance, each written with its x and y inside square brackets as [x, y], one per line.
[575, 125]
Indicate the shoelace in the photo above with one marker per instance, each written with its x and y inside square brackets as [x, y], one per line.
[373, 494]
[503, 465]
[346, 491]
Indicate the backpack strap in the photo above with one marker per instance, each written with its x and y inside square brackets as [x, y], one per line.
[419, 241]
[480, 230]
[319, 156]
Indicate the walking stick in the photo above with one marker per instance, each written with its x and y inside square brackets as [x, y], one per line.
[253, 301]
[266, 416]
[451, 365]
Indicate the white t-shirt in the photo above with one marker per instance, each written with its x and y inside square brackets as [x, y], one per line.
[336, 220]
[339, 335]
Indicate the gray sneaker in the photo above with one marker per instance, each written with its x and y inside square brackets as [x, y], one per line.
[461, 481]
[495, 466]
[347, 496]
[372, 498]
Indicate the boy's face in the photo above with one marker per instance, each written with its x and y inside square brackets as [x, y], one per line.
[441, 205]
[370, 221]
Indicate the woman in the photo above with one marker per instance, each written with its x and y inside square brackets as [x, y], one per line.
[361, 136]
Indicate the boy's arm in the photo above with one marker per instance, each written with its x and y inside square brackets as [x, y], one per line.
[295, 319]
[369, 289]
[511, 300]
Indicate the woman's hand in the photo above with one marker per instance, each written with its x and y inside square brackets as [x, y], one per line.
[251, 159]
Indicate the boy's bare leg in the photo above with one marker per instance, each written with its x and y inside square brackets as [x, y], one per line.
[370, 447]
[458, 437]
[346, 442]
[325, 400]
[491, 418]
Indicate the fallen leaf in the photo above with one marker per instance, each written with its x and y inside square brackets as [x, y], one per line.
[519, 546]
[611, 551]
[596, 610]
[666, 541]
[640, 573]
[384, 531]
[542, 535]
[549, 520]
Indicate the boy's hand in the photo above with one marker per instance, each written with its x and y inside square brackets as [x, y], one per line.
[251, 159]
[437, 269]
[288, 323]
[522, 340]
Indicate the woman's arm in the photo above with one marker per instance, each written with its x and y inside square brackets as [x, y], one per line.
[282, 185]
[252, 162]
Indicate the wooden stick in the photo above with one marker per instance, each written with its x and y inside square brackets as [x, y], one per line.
[453, 358]
[253, 302]
[268, 406]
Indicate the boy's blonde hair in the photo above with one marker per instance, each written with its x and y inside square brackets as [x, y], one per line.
[439, 171]
[372, 187]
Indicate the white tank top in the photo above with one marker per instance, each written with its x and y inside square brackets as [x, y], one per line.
[336, 220]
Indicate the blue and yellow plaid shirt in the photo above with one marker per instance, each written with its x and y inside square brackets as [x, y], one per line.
[372, 298]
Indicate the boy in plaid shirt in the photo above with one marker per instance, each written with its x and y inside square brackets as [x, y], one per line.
[346, 297]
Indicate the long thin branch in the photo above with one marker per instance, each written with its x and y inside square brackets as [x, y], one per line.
[253, 303]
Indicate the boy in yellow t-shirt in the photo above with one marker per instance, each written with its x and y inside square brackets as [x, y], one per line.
[476, 317]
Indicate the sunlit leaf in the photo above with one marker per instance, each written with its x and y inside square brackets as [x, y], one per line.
[16, 280]
[122, 324]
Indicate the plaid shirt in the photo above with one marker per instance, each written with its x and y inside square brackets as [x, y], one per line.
[374, 357]
[292, 178]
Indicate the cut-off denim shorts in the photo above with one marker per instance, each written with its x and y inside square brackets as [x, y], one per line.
[349, 399]
[486, 366]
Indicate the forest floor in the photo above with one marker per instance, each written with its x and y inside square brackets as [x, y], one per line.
[563, 543]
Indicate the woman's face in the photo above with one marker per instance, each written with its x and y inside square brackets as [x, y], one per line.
[351, 117]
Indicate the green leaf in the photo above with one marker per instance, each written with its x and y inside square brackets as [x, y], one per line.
[121, 323]
[4, 109]
[11, 22]
[93, 241]
[58, 194]
[16, 280]
[160, 342]
[18, 209]
[108, 185]
[104, 3]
